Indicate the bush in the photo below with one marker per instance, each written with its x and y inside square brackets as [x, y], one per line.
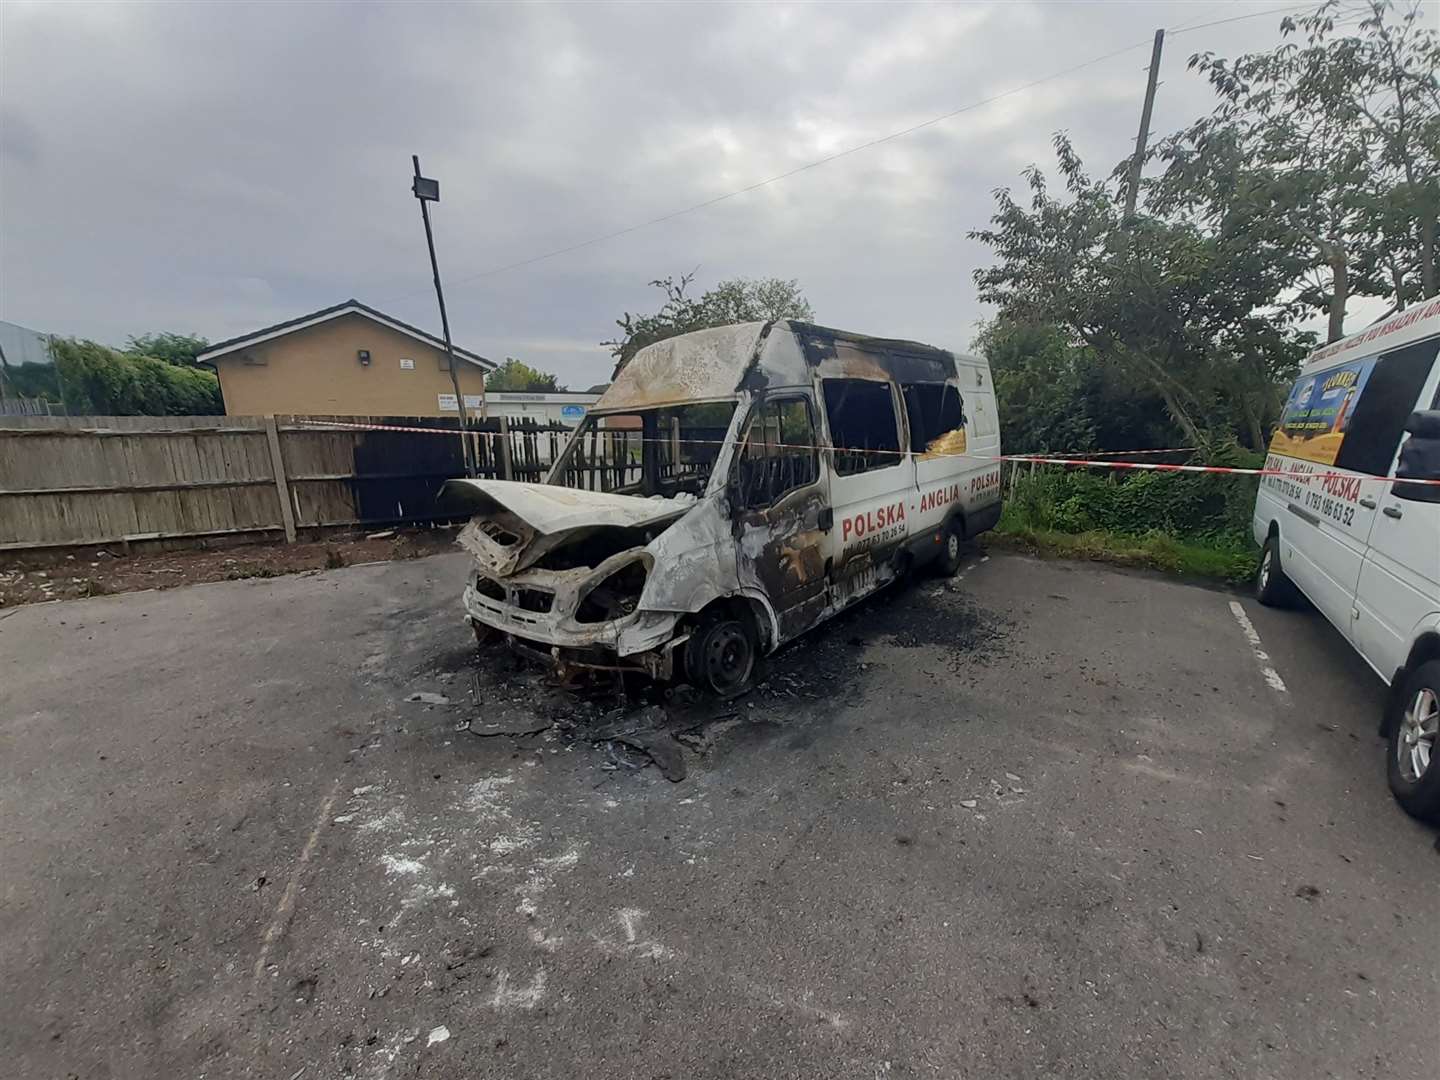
[102, 381]
[1194, 522]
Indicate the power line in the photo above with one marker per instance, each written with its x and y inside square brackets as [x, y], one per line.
[1185, 28]
[878, 141]
[799, 168]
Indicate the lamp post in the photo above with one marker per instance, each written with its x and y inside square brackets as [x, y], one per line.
[427, 191]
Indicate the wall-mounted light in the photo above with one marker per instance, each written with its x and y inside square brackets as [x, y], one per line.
[363, 355]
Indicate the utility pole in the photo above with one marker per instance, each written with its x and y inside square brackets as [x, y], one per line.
[1133, 187]
[427, 191]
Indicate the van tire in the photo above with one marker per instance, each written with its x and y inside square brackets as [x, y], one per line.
[1272, 587]
[952, 548]
[1412, 752]
[721, 654]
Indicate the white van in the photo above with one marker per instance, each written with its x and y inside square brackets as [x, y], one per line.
[731, 489]
[1363, 546]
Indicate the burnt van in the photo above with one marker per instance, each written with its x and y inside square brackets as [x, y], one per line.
[1345, 523]
[733, 488]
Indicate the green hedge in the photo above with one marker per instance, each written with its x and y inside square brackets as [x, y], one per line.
[1204, 515]
[100, 381]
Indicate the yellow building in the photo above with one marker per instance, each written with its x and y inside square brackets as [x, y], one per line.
[347, 360]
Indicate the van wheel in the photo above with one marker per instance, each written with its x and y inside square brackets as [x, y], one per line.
[952, 549]
[1272, 587]
[1414, 745]
[720, 656]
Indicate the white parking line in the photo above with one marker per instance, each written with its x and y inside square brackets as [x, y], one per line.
[1271, 675]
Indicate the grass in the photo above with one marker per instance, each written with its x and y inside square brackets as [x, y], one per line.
[1157, 551]
[1193, 525]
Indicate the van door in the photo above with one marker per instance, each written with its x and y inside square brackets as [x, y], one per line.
[780, 502]
[1400, 577]
[872, 489]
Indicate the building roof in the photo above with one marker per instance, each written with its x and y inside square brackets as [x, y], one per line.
[349, 307]
[21, 345]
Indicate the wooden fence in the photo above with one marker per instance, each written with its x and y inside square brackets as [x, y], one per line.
[71, 481]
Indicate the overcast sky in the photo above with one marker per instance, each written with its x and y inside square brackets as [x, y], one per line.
[212, 168]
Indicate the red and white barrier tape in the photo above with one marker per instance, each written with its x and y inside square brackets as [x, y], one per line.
[1303, 475]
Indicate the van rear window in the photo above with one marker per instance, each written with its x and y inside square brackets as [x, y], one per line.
[1352, 415]
[1389, 398]
[863, 426]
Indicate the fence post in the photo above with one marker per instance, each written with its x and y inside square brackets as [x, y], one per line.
[505, 466]
[282, 489]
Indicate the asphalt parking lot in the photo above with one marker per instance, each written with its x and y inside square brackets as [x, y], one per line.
[1051, 819]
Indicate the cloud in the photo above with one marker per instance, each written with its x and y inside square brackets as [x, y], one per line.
[214, 168]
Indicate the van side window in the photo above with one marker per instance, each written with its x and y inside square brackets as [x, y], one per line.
[1374, 428]
[932, 409]
[863, 427]
[779, 453]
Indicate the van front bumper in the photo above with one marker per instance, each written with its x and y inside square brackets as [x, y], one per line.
[642, 641]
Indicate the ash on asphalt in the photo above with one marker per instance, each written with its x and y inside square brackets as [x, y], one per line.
[637, 721]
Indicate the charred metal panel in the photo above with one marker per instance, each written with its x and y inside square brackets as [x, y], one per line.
[838, 354]
[781, 363]
[706, 365]
[518, 524]
[780, 550]
[694, 563]
[519, 609]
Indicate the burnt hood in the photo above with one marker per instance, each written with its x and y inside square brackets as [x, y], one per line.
[515, 524]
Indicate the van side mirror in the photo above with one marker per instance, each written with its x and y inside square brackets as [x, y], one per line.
[1424, 424]
[1419, 458]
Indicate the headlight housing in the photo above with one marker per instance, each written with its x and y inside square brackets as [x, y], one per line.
[614, 596]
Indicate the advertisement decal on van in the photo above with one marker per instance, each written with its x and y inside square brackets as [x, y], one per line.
[1318, 411]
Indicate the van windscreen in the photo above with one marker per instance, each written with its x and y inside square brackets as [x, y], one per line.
[663, 451]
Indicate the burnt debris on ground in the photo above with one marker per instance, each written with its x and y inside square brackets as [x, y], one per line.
[639, 722]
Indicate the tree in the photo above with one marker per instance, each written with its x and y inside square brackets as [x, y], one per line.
[514, 376]
[1058, 397]
[1327, 151]
[1392, 70]
[737, 300]
[103, 381]
[179, 349]
[1167, 307]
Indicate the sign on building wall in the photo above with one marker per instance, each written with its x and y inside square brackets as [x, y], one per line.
[572, 414]
[406, 364]
[446, 402]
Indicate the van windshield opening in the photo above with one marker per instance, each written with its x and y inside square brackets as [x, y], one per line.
[666, 451]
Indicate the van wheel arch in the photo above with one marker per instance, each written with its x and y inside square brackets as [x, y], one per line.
[956, 520]
[1425, 649]
[720, 629]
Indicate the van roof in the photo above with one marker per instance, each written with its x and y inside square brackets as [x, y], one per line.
[1413, 324]
[710, 365]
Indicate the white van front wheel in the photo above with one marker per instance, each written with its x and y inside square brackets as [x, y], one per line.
[1272, 587]
[1415, 743]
